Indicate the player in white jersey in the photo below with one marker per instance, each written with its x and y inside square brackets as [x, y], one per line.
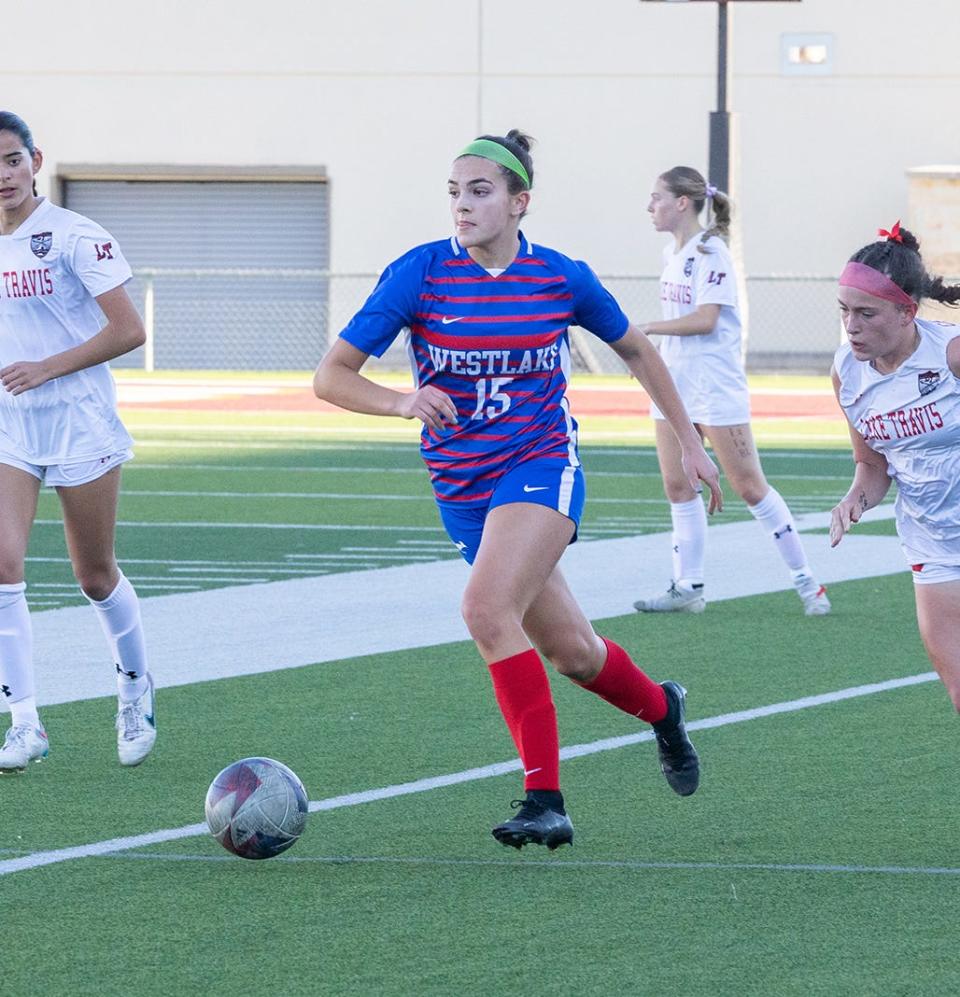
[897, 379]
[60, 275]
[701, 346]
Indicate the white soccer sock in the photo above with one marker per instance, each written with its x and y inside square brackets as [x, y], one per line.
[119, 616]
[689, 541]
[772, 513]
[16, 655]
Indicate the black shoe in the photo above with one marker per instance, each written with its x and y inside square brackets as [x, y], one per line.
[678, 757]
[536, 823]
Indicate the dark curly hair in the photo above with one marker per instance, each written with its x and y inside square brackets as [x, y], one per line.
[902, 263]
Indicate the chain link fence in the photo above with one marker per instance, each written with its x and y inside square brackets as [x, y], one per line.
[272, 319]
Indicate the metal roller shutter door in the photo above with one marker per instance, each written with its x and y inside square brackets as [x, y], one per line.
[270, 316]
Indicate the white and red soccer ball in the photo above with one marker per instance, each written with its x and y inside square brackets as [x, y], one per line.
[256, 808]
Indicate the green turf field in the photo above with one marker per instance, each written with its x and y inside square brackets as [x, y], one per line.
[815, 859]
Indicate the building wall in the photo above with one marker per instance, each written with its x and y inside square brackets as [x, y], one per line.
[382, 94]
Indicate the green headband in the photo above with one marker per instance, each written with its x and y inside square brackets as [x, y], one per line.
[497, 153]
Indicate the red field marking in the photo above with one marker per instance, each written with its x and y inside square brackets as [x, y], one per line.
[277, 400]
[583, 401]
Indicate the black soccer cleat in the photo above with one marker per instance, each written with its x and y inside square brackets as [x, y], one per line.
[679, 761]
[536, 823]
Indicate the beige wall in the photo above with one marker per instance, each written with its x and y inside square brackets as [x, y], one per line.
[383, 93]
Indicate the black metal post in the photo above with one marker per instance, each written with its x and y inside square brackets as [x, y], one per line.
[720, 120]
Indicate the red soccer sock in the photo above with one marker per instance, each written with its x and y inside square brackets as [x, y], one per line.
[523, 692]
[622, 684]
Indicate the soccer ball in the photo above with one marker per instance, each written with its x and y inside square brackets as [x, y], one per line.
[256, 808]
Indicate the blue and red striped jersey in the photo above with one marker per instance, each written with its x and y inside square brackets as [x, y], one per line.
[497, 345]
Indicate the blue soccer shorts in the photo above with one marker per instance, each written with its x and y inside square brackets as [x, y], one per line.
[544, 482]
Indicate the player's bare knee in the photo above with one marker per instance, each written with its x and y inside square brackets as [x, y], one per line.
[752, 492]
[573, 655]
[96, 582]
[484, 619]
[678, 491]
[11, 570]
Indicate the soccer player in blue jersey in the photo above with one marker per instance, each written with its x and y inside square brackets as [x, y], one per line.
[487, 315]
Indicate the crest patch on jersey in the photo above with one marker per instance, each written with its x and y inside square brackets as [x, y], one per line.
[40, 243]
[928, 381]
[688, 266]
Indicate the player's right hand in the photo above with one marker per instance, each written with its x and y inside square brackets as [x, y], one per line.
[842, 517]
[431, 406]
[698, 467]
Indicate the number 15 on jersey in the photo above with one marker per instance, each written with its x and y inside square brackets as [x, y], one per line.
[491, 401]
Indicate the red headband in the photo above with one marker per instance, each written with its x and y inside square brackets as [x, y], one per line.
[864, 278]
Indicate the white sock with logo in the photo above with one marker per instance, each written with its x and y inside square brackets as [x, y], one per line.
[772, 513]
[119, 616]
[689, 541]
[16, 655]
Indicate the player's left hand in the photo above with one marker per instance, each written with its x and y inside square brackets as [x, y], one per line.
[699, 467]
[24, 375]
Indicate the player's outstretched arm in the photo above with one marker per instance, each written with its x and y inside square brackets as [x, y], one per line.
[338, 380]
[644, 362]
[871, 482]
[698, 323]
[122, 333]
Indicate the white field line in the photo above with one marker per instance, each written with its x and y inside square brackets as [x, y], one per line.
[351, 496]
[341, 469]
[312, 447]
[257, 526]
[139, 465]
[354, 496]
[239, 429]
[316, 614]
[243, 437]
[37, 859]
[142, 582]
[217, 564]
[558, 863]
[842, 453]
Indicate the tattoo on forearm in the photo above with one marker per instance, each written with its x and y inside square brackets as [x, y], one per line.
[862, 501]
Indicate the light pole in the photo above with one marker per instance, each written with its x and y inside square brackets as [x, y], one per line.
[721, 120]
[723, 142]
[722, 137]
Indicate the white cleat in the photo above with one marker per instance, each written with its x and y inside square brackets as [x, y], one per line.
[677, 599]
[817, 603]
[136, 727]
[812, 594]
[23, 744]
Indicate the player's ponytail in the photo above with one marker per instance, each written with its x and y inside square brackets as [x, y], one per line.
[897, 256]
[720, 210]
[685, 181]
[10, 122]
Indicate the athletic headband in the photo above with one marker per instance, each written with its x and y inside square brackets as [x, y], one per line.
[497, 153]
[864, 278]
